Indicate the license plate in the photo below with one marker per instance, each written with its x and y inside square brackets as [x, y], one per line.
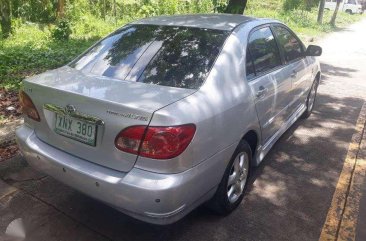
[76, 129]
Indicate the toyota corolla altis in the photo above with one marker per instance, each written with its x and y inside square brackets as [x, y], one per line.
[170, 112]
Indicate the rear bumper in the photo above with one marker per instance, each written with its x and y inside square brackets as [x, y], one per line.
[151, 197]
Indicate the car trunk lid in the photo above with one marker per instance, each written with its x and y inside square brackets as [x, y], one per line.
[112, 104]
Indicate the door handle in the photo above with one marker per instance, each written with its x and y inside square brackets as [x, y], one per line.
[294, 74]
[261, 92]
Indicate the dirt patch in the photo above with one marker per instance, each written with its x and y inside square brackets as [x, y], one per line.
[8, 149]
[10, 118]
[9, 105]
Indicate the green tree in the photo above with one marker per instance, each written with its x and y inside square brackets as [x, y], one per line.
[332, 21]
[236, 6]
[5, 17]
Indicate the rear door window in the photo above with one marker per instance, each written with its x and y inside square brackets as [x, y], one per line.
[263, 50]
[162, 55]
[291, 46]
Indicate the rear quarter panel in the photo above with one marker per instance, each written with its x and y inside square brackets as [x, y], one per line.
[222, 110]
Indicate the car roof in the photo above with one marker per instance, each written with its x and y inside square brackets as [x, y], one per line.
[211, 21]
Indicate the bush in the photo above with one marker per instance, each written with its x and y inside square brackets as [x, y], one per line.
[220, 6]
[291, 4]
[300, 4]
[35, 10]
[147, 11]
[89, 26]
[31, 50]
[62, 30]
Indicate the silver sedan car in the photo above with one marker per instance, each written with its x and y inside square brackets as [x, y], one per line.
[168, 113]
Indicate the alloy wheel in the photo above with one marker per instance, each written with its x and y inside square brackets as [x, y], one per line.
[312, 96]
[238, 177]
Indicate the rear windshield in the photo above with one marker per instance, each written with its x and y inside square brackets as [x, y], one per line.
[163, 55]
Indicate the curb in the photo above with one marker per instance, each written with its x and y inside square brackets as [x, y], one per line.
[347, 230]
[341, 220]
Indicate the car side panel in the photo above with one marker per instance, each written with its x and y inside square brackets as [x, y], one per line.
[271, 107]
[298, 75]
[222, 110]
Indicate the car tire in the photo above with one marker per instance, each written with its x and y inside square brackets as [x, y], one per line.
[223, 203]
[310, 100]
[349, 11]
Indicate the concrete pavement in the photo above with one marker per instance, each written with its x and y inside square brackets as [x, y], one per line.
[290, 192]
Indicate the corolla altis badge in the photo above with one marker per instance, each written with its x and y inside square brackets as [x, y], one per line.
[70, 109]
[128, 115]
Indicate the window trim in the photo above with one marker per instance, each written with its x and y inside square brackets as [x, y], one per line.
[251, 60]
[256, 76]
[282, 50]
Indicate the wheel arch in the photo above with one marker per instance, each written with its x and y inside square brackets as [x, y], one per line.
[252, 138]
[317, 76]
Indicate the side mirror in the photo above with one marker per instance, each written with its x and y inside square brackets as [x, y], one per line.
[313, 50]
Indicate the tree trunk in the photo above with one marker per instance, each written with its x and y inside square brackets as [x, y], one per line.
[236, 6]
[60, 8]
[332, 21]
[5, 17]
[321, 11]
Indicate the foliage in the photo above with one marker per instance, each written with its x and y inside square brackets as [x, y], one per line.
[292, 4]
[22, 56]
[169, 7]
[296, 4]
[41, 11]
[301, 21]
[62, 30]
[32, 47]
[220, 6]
[236, 6]
[147, 11]
[5, 18]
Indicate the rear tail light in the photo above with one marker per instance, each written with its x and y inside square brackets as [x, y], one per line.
[28, 107]
[158, 142]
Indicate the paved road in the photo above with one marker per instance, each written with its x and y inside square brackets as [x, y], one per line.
[289, 195]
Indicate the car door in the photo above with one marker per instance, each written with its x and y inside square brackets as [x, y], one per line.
[269, 86]
[296, 68]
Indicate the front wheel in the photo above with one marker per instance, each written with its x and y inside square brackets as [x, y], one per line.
[234, 182]
[311, 99]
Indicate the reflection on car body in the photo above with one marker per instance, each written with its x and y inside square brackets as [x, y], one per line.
[170, 112]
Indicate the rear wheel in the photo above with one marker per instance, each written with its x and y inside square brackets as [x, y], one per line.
[311, 99]
[234, 182]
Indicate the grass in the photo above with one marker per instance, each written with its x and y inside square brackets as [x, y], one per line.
[31, 49]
